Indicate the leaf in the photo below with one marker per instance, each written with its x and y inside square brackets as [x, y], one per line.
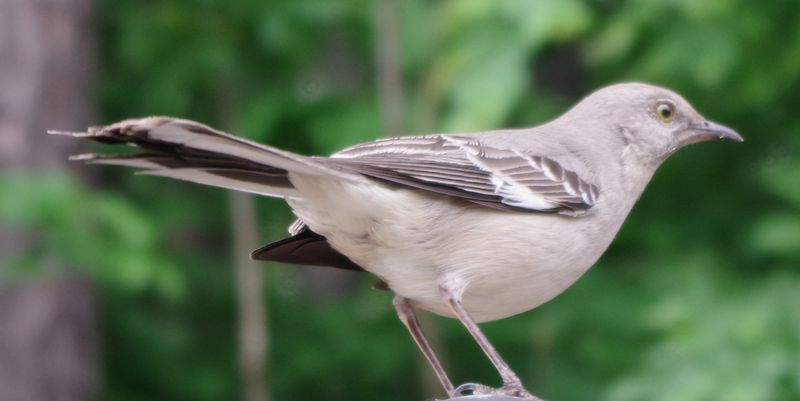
[778, 235]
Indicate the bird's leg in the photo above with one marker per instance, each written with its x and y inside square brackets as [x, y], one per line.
[512, 385]
[409, 318]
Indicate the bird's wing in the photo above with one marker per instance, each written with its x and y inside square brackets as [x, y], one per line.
[464, 167]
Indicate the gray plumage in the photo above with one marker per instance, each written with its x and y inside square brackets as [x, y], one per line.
[469, 168]
[498, 222]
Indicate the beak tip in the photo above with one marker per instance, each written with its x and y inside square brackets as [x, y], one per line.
[736, 137]
[731, 137]
[722, 132]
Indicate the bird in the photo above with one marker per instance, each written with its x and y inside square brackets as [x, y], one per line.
[474, 226]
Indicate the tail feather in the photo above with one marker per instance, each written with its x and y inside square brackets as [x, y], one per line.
[305, 247]
[192, 151]
[239, 180]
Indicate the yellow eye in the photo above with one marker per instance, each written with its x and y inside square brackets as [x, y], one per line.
[665, 112]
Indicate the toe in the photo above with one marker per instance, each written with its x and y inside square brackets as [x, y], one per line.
[472, 389]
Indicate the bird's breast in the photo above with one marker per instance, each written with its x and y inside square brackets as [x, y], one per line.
[503, 263]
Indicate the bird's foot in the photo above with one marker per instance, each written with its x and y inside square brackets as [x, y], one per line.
[510, 390]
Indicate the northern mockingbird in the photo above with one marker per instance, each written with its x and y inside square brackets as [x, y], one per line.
[477, 226]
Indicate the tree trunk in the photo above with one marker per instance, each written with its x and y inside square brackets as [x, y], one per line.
[391, 94]
[250, 294]
[49, 341]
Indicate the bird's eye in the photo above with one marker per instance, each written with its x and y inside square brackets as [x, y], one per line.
[665, 112]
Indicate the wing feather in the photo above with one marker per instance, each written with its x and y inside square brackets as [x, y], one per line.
[465, 167]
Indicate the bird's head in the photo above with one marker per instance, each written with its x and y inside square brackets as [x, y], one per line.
[652, 122]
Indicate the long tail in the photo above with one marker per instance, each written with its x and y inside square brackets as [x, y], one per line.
[191, 151]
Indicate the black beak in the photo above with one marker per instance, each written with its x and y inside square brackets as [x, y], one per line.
[710, 131]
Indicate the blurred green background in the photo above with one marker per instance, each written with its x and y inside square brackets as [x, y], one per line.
[697, 299]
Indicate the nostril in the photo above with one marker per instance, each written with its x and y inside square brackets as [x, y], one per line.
[705, 124]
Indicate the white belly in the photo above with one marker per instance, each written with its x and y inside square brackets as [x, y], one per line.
[504, 262]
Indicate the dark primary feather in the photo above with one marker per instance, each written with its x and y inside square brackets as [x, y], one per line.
[305, 248]
[465, 168]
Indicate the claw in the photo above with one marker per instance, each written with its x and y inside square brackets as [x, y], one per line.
[472, 389]
[511, 392]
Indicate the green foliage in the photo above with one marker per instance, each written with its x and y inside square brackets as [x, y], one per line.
[697, 299]
[740, 346]
[89, 229]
